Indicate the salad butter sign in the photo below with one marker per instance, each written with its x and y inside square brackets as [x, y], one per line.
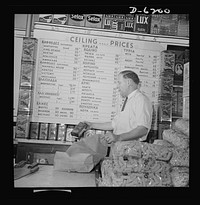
[76, 74]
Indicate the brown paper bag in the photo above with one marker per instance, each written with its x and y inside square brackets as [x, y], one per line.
[81, 156]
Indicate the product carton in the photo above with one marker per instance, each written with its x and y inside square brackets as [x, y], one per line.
[27, 74]
[34, 130]
[142, 23]
[52, 134]
[183, 25]
[46, 18]
[60, 19]
[129, 22]
[94, 20]
[43, 131]
[76, 19]
[22, 126]
[25, 96]
[29, 49]
[61, 132]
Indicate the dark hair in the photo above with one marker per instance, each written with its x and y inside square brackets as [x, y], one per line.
[130, 74]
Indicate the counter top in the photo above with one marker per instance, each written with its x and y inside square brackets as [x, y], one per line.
[46, 176]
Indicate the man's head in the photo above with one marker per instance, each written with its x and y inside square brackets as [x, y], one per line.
[128, 81]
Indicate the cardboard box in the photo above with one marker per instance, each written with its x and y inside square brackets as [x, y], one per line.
[52, 134]
[29, 49]
[34, 130]
[27, 74]
[43, 131]
[94, 20]
[183, 25]
[129, 22]
[22, 126]
[76, 19]
[142, 23]
[60, 19]
[46, 18]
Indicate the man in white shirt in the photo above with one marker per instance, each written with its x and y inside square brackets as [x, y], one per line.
[134, 121]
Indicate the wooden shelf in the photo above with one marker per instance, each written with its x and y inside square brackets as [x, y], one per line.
[42, 141]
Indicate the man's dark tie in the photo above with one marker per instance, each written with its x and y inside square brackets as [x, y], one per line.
[124, 103]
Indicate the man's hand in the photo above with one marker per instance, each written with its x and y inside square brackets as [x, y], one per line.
[110, 137]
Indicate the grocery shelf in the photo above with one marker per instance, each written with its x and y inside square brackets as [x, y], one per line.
[35, 141]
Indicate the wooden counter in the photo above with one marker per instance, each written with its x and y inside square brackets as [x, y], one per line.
[46, 176]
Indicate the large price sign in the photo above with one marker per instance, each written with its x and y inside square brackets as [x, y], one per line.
[76, 74]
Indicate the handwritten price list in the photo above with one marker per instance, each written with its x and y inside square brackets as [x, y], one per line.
[76, 78]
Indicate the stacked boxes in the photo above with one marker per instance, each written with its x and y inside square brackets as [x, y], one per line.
[166, 89]
[26, 87]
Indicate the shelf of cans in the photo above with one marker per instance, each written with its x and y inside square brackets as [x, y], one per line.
[55, 132]
[159, 24]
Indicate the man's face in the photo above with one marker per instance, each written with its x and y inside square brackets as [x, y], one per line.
[122, 85]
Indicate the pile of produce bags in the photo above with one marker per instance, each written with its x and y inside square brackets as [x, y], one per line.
[141, 164]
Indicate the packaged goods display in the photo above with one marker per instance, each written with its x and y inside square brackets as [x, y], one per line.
[60, 19]
[24, 103]
[34, 130]
[141, 149]
[169, 24]
[76, 19]
[69, 137]
[155, 24]
[27, 74]
[129, 22]
[112, 174]
[107, 21]
[43, 131]
[46, 18]
[29, 49]
[165, 110]
[163, 143]
[118, 22]
[180, 157]
[180, 176]
[135, 163]
[142, 23]
[94, 20]
[22, 126]
[182, 125]
[61, 132]
[52, 135]
[176, 138]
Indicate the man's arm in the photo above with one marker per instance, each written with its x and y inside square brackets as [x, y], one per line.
[134, 134]
[100, 126]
